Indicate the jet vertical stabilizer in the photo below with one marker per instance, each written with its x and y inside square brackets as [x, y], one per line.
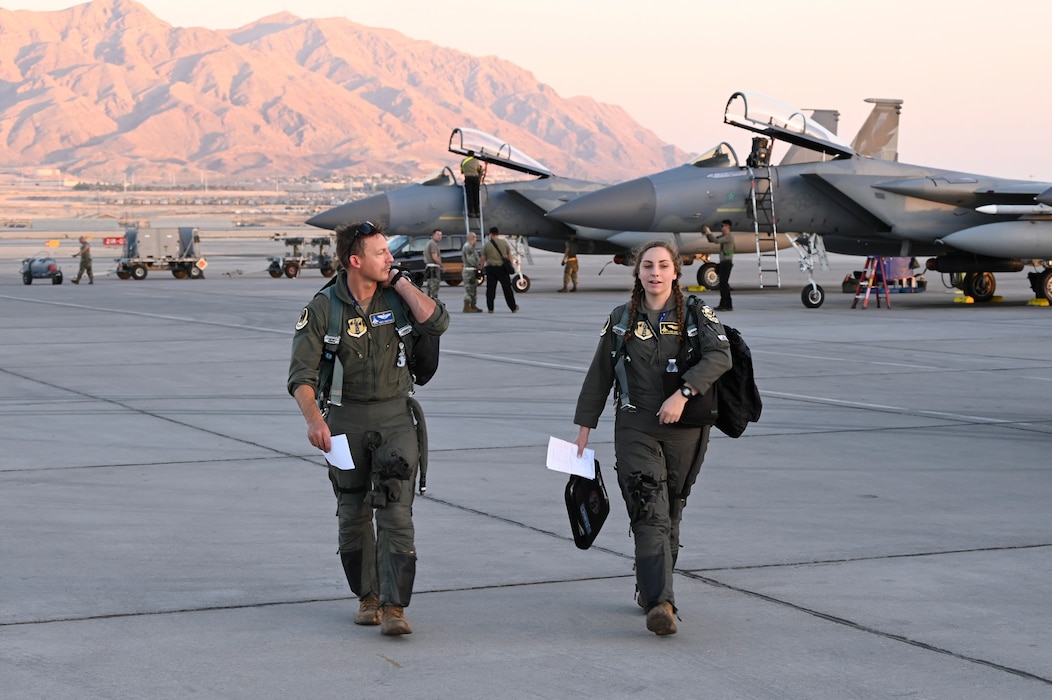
[879, 135]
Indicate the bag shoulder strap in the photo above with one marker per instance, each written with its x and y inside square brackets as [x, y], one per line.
[619, 357]
[330, 374]
[401, 315]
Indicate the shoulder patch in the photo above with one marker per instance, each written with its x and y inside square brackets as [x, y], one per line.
[606, 327]
[709, 314]
[303, 319]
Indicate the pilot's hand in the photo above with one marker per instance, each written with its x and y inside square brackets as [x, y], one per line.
[672, 409]
[318, 434]
[582, 439]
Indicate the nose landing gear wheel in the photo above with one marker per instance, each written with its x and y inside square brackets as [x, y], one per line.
[813, 296]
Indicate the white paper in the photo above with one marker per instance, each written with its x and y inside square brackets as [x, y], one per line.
[562, 457]
[340, 454]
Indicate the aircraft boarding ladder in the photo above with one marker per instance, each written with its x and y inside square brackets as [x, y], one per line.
[761, 199]
[472, 223]
[520, 245]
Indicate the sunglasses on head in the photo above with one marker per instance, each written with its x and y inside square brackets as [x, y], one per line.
[366, 228]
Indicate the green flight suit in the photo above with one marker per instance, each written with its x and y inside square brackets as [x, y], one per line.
[656, 464]
[376, 387]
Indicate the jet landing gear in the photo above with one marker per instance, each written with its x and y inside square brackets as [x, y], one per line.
[813, 295]
[1041, 283]
[809, 247]
[709, 276]
[979, 286]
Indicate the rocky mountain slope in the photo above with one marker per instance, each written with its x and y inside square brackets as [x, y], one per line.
[107, 91]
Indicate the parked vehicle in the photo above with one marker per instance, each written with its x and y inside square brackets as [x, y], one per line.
[174, 249]
[408, 252]
[41, 268]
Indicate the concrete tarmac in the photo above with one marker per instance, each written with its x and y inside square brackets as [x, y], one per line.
[168, 532]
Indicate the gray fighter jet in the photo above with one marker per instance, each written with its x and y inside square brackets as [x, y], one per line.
[518, 207]
[973, 225]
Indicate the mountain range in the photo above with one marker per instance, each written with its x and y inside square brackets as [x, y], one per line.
[106, 91]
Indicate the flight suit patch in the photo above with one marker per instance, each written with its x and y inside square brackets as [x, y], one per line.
[709, 315]
[356, 327]
[669, 328]
[643, 331]
[381, 318]
[303, 319]
[606, 327]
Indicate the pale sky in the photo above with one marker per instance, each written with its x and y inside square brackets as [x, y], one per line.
[974, 75]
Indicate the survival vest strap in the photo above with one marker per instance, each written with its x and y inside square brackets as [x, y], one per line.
[620, 357]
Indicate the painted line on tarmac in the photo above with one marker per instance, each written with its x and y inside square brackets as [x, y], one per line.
[888, 409]
[146, 314]
[514, 361]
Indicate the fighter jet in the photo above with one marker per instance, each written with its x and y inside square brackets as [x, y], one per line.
[518, 207]
[973, 225]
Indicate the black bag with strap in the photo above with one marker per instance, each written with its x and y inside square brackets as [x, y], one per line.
[739, 398]
[587, 505]
[504, 262]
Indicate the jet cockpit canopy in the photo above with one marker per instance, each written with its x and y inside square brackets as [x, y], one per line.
[719, 156]
[765, 115]
[490, 149]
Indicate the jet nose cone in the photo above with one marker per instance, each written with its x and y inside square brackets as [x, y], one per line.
[376, 209]
[626, 207]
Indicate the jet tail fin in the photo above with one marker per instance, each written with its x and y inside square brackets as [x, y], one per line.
[879, 135]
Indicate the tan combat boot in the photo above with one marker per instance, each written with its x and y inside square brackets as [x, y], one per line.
[467, 307]
[393, 622]
[661, 619]
[368, 611]
[475, 308]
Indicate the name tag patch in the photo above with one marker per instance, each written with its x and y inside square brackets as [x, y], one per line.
[381, 318]
[669, 328]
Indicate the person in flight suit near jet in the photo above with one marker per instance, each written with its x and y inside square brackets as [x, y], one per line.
[658, 458]
[375, 412]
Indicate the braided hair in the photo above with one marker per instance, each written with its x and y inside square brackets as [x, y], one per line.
[637, 288]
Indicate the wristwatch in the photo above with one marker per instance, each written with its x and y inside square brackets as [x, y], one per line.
[686, 391]
[398, 275]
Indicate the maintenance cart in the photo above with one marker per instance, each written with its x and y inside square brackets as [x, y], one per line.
[290, 265]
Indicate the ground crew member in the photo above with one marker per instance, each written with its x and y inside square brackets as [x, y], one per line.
[470, 255]
[85, 262]
[473, 171]
[658, 459]
[376, 415]
[498, 261]
[433, 263]
[726, 240]
[570, 264]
